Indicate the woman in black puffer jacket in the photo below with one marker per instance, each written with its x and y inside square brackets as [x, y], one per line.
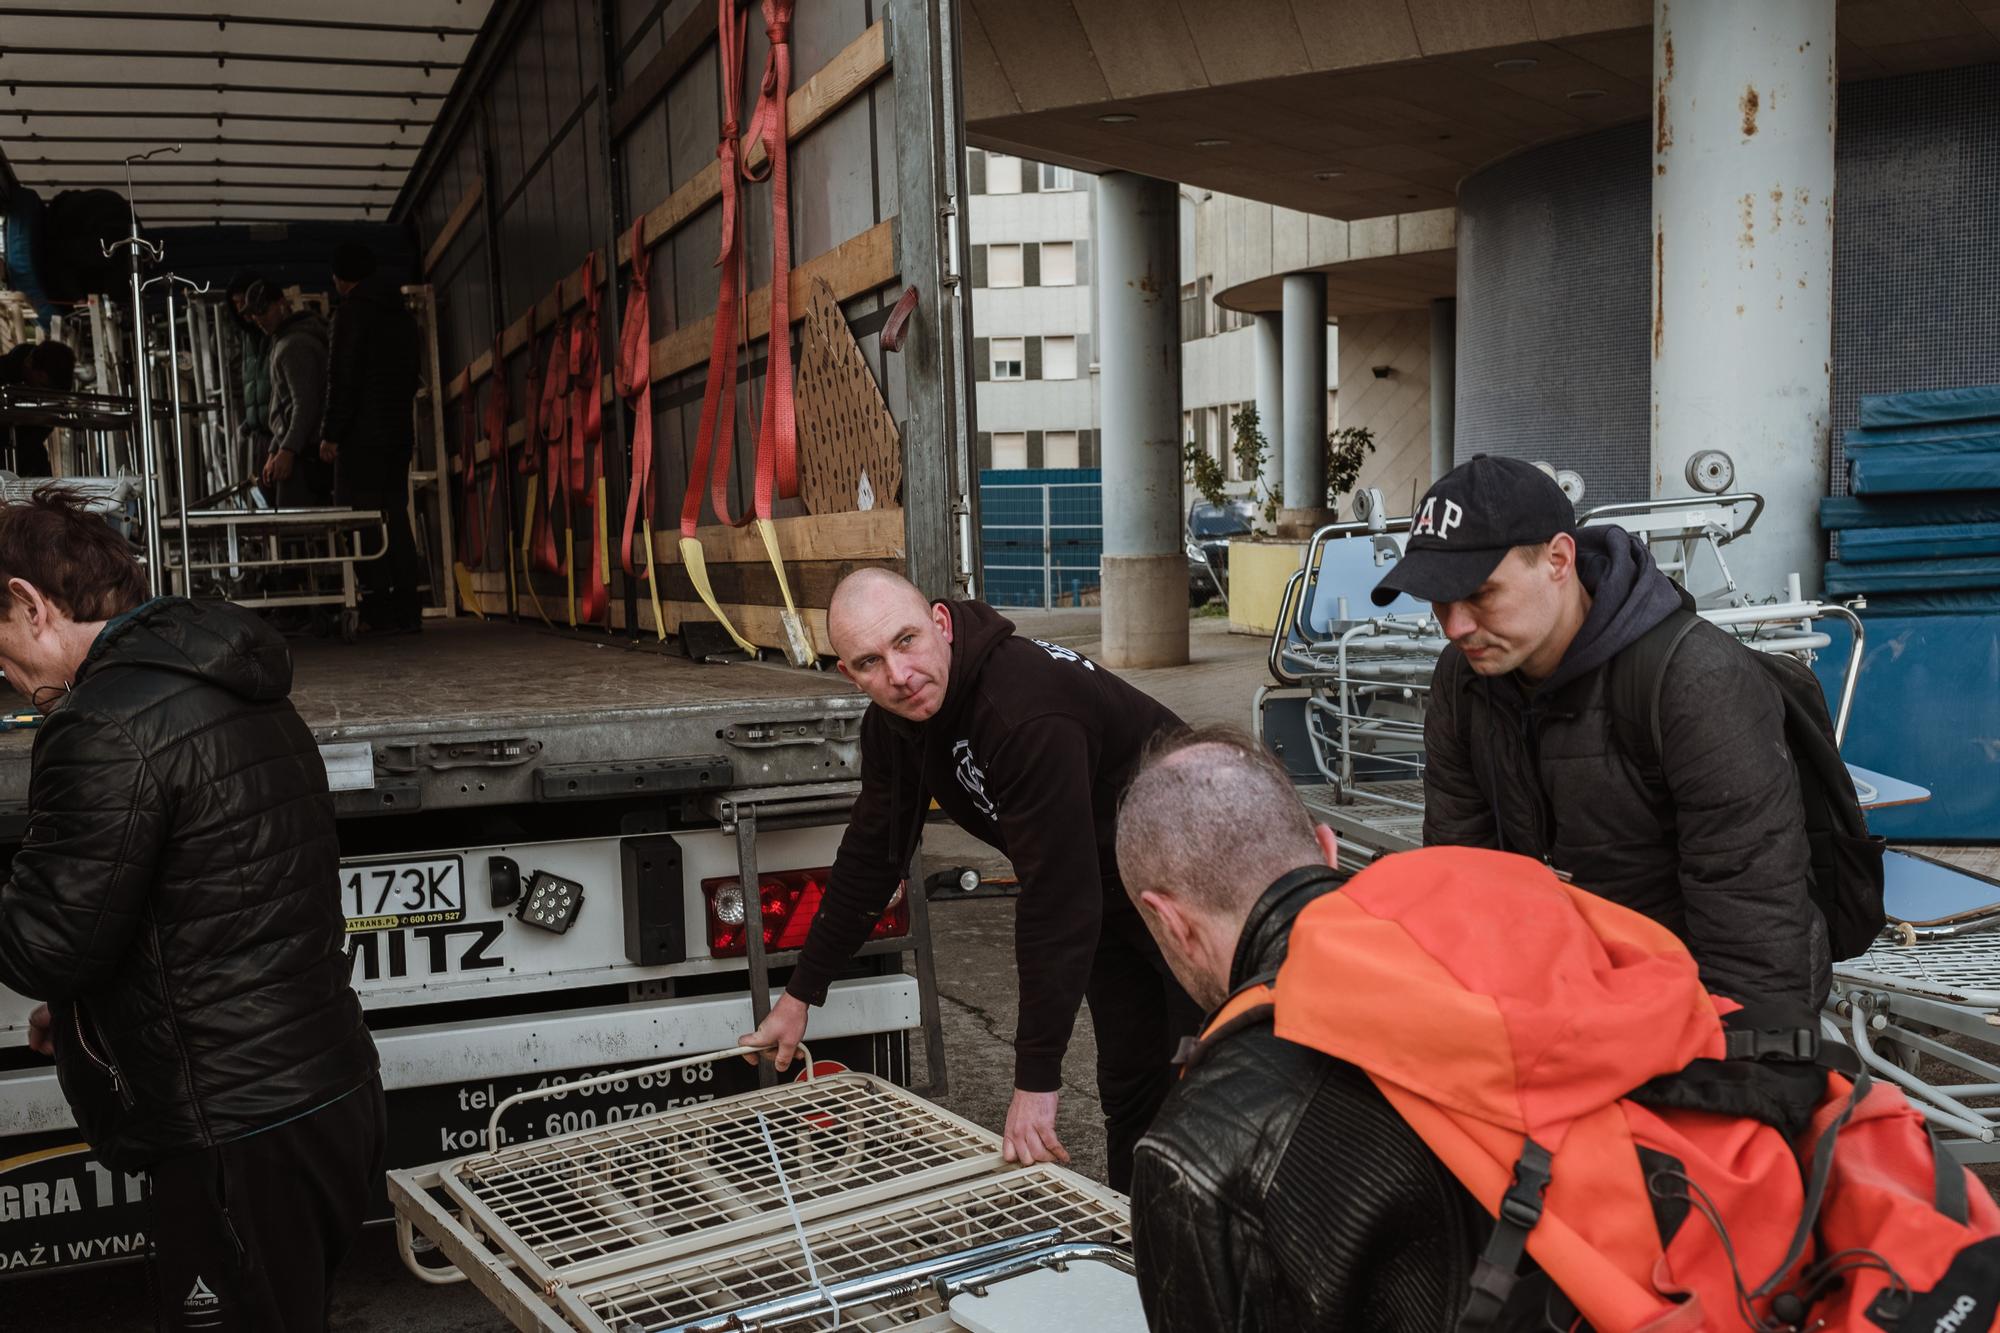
[175, 902]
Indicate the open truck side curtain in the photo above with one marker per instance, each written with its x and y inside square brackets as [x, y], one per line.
[546, 844]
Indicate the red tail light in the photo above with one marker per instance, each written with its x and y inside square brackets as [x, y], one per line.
[790, 901]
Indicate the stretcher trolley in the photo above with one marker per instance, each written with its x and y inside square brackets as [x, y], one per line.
[235, 551]
[1922, 1007]
[836, 1201]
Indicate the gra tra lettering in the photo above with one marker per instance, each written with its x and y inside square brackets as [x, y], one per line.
[1430, 523]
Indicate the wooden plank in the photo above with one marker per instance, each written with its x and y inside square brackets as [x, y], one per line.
[874, 534]
[857, 265]
[649, 85]
[460, 215]
[849, 74]
[762, 625]
[812, 581]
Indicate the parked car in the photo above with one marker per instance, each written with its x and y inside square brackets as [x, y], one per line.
[1209, 528]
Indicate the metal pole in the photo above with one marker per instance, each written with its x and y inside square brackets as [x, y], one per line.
[1305, 403]
[142, 383]
[1742, 262]
[1444, 384]
[1048, 555]
[180, 443]
[1138, 298]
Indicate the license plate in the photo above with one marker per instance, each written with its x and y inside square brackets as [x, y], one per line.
[385, 895]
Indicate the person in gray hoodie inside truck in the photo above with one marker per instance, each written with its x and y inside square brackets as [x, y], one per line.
[1526, 753]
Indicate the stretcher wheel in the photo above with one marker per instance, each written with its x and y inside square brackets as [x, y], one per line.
[350, 625]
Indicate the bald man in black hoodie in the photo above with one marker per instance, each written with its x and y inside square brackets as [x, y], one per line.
[1027, 746]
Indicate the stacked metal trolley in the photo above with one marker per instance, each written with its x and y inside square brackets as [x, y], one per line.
[839, 1201]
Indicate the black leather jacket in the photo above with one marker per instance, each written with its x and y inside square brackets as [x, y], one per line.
[1277, 1189]
[176, 897]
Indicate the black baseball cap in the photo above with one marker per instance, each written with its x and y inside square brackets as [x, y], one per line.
[1469, 520]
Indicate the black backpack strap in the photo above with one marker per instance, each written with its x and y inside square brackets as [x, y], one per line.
[1638, 678]
[1499, 1267]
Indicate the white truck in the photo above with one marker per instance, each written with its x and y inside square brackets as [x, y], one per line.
[547, 828]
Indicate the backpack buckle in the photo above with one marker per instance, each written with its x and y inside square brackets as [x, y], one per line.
[1521, 1205]
[1801, 1044]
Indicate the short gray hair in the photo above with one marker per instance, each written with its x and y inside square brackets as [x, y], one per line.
[1211, 818]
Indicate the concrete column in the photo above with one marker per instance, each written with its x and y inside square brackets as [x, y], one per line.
[1742, 261]
[1271, 398]
[1145, 588]
[1305, 403]
[1444, 383]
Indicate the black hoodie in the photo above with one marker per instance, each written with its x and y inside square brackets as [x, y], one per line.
[176, 897]
[1030, 751]
[1708, 839]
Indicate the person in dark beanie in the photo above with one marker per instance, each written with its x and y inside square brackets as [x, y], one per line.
[1527, 750]
[1026, 745]
[175, 905]
[369, 432]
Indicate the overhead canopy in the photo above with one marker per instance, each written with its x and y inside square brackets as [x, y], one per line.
[284, 111]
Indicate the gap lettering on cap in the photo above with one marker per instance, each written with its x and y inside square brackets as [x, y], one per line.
[1428, 523]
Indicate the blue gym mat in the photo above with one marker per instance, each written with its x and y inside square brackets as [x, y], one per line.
[1901, 469]
[1842, 513]
[1936, 541]
[1843, 578]
[1931, 405]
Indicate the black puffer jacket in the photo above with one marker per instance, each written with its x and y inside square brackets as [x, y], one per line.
[1278, 1191]
[176, 897]
[1710, 842]
[373, 376]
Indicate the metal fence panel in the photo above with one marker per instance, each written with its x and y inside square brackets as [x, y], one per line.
[1041, 535]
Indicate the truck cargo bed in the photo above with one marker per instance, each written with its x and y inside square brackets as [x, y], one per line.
[473, 713]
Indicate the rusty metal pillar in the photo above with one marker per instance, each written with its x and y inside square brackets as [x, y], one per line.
[1145, 587]
[1742, 260]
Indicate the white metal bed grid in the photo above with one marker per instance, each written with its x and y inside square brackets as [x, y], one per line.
[1963, 971]
[945, 1222]
[602, 1201]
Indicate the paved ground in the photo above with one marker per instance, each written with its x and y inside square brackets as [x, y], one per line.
[974, 941]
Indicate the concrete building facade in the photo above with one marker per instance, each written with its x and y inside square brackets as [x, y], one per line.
[1585, 224]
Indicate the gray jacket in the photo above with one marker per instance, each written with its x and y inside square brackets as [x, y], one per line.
[298, 383]
[1710, 842]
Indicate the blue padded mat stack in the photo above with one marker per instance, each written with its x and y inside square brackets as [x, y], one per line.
[1921, 530]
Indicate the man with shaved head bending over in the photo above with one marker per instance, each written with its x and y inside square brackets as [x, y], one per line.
[1027, 746]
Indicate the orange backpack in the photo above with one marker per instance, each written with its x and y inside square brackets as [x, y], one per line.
[1669, 1159]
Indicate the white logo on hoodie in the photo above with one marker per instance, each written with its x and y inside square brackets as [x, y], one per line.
[970, 778]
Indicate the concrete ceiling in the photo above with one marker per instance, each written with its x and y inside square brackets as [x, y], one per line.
[284, 111]
[1355, 108]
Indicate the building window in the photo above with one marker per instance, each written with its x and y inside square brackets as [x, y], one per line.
[1010, 361]
[1059, 449]
[1003, 266]
[1010, 448]
[1057, 178]
[1003, 174]
[1059, 358]
[1217, 426]
[1059, 263]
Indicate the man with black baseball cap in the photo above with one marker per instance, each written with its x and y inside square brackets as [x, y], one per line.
[1527, 749]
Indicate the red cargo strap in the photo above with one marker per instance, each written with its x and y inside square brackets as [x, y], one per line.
[554, 431]
[500, 490]
[778, 436]
[471, 529]
[714, 438]
[635, 386]
[586, 424]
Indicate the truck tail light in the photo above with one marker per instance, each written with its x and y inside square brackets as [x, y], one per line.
[790, 900]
